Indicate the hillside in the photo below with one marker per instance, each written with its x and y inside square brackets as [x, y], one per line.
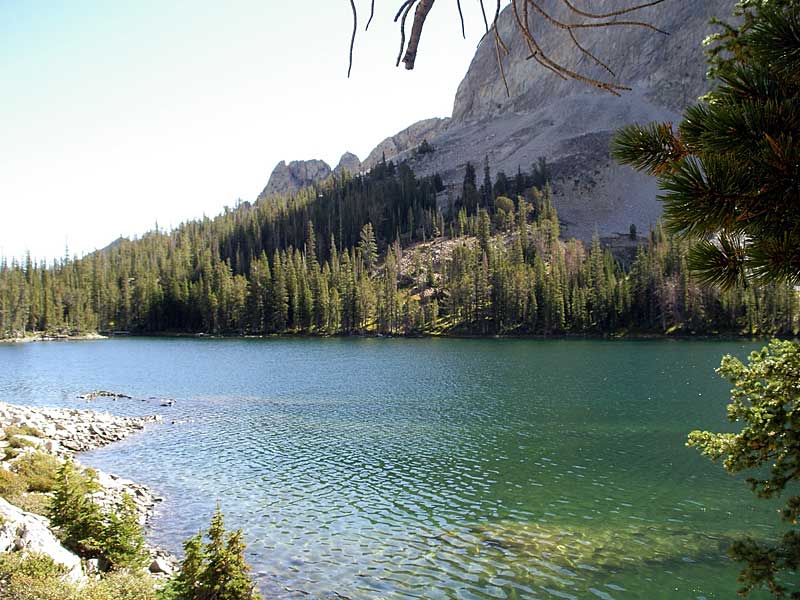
[374, 254]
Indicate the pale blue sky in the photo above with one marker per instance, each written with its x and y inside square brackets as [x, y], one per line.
[115, 115]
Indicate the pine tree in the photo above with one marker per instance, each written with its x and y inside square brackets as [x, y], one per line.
[186, 585]
[216, 570]
[72, 510]
[225, 573]
[123, 540]
[486, 189]
[731, 171]
[368, 247]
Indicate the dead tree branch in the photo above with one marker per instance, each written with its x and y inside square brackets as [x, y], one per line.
[527, 23]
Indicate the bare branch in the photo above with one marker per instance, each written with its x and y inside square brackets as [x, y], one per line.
[423, 8]
[525, 23]
[483, 12]
[461, 15]
[610, 15]
[409, 4]
[590, 54]
[353, 39]
[371, 14]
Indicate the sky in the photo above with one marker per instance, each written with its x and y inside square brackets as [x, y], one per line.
[117, 116]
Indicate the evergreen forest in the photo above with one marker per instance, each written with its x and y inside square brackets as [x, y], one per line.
[387, 253]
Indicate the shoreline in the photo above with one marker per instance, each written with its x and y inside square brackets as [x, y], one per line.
[42, 337]
[67, 432]
[620, 335]
[616, 336]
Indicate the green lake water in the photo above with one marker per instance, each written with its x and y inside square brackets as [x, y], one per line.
[366, 468]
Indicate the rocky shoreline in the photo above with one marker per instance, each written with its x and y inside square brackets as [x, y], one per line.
[43, 337]
[63, 433]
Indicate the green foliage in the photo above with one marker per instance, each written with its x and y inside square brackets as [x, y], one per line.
[730, 173]
[261, 269]
[33, 577]
[13, 430]
[424, 148]
[37, 503]
[766, 400]
[122, 540]
[732, 44]
[77, 517]
[28, 481]
[215, 570]
[11, 484]
[37, 577]
[114, 535]
[38, 471]
[368, 247]
[120, 585]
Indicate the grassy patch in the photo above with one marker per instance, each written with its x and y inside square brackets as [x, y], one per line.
[11, 485]
[38, 471]
[28, 483]
[33, 502]
[13, 430]
[37, 577]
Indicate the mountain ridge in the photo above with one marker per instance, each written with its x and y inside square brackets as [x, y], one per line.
[566, 122]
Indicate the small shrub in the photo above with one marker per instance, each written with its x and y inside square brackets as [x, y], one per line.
[91, 532]
[425, 148]
[13, 430]
[33, 577]
[38, 471]
[122, 539]
[11, 485]
[77, 517]
[37, 577]
[17, 443]
[120, 585]
[33, 502]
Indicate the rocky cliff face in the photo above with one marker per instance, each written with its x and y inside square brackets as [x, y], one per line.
[569, 123]
[405, 141]
[350, 163]
[667, 71]
[298, 174]
[25, 532]
[289, 178]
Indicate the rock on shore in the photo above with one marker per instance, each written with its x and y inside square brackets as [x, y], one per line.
[64, 432]
[22, 531]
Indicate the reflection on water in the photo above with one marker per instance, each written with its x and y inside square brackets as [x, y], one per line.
[427, 468]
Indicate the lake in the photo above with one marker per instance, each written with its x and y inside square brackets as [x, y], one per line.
[428, 468]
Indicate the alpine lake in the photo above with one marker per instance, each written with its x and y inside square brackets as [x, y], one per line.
[426, 468]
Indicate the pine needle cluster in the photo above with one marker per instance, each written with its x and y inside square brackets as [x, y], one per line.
[730, 172]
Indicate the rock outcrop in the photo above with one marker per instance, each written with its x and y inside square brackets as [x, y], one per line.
[666, 71]
[397, 146]
[66, 431]
[350, 163]
[21, 531]
[289, 178]
[566, 122]
[571, 124]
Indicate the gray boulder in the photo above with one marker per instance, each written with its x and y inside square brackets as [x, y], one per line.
[21, 531]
